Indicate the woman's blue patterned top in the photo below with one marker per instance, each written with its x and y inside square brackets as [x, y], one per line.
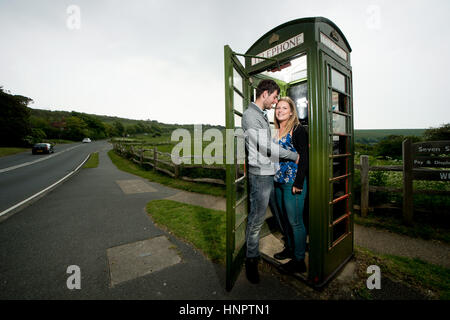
[287, 170]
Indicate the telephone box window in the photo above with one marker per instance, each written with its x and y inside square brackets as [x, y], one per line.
[339, 188]
[295, 71]
[338, 80]
[339, 124]
[339, 230]
[299, 93]
[339, 167]
[237, 121]
[340, 209]
[339, 102]
[237, 80]
[340, 145]
[238, 102]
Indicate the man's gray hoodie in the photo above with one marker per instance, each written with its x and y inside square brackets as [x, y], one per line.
[263, 153]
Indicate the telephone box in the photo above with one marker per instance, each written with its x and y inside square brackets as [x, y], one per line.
[309, 58]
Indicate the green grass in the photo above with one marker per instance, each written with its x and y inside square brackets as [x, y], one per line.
[130, 167]
[413, 272]
[204, 228]
[92, 162]
[9, 151]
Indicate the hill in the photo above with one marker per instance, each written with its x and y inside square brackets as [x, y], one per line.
[372, 136]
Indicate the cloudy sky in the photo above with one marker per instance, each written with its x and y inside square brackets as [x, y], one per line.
[163, 60]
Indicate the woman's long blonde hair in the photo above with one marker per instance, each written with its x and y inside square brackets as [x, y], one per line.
[292, 121]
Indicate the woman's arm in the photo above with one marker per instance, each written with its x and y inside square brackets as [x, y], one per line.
[300, 142]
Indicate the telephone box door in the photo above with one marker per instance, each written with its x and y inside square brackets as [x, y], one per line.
[339, 106]
[236, 99]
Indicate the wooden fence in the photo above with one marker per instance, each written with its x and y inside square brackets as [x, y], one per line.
[417, 160]
[154, 158]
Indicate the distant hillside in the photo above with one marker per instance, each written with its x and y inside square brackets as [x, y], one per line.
[58, 116]
[371, 136]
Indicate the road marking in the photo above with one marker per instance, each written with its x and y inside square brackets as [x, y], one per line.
[38, 160]
[42, 191]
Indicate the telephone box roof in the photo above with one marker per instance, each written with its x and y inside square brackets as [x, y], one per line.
[304, 21]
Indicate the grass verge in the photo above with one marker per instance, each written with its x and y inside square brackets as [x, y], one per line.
[418, 274]
[393, 224]
[92, 161]
[9, 151]
[204, 228]
[130, 167]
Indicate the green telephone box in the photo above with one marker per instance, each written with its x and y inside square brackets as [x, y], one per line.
[310, 59]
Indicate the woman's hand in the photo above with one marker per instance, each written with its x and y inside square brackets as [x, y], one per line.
[296, 190]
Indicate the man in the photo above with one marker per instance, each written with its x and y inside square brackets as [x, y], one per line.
[263, 154]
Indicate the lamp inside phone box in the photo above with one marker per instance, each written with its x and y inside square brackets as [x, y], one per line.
[309, 58]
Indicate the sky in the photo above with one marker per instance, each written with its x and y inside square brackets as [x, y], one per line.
[163, 59]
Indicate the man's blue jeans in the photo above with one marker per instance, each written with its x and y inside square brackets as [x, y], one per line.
[261, 189]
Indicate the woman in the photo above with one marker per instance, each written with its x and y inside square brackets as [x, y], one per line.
[291, 181]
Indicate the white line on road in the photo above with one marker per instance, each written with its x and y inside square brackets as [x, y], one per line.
[38, 160]
[42, 191]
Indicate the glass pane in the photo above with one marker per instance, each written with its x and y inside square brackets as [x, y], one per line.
[239, 142]
[240, 170]
[339, 188]
[237, 80]
[237, 121]
[238, 102]
[240, 190]
[340, 229]
[338, 102]
[241, 212]
[299, 94]
[340, 145]
[293, 70]
[339, 167]
[339, 123]
[338, 80]
[239, 236]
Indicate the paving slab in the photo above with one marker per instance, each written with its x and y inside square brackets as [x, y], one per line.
[137, 259]
[135, 186]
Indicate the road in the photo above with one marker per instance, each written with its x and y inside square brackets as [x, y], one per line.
[24, 175]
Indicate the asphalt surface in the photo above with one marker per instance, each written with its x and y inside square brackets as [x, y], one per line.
[76, 223]
[23, 175]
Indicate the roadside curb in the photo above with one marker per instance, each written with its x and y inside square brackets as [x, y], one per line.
[25, 203]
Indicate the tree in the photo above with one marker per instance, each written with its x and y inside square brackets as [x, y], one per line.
[391, 146]
[76, 129]
[14, 119]
[120, 129]
[438, 134]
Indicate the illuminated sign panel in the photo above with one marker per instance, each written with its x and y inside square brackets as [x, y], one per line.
[279, 48]
[333, 46]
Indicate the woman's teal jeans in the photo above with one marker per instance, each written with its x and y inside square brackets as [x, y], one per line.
[291, 206]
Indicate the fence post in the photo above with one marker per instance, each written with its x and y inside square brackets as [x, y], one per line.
[407, 182]
[155, 157]
[177, 171]
[364, 160]
[142, 156]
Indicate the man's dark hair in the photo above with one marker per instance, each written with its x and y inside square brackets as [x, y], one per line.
[268, 85]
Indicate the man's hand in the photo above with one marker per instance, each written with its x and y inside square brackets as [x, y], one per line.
[296, 190]
[298, 159]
